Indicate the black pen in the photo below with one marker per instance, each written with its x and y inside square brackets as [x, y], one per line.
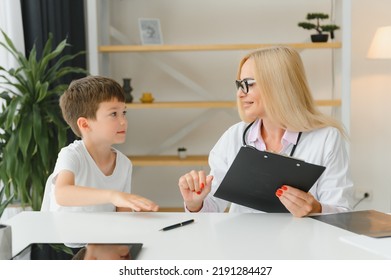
[178, 225]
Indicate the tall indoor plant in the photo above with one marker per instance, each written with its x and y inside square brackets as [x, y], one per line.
[32, 130]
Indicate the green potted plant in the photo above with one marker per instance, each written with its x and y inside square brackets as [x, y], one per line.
[319, 36]
[32, 130]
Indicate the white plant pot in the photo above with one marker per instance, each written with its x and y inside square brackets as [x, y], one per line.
[5, 242]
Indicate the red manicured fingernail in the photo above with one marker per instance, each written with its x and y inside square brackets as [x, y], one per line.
[284, 188]
[202, 186]
[279, 192]
[199, 192]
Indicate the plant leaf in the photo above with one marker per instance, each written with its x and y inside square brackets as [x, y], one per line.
[4, 201]
[25, 132]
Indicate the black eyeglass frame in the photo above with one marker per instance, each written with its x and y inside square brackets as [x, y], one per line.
[244, 84]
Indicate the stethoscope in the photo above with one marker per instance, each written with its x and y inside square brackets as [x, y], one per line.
[245, 143]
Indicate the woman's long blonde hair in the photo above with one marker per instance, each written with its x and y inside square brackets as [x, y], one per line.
[285, 94]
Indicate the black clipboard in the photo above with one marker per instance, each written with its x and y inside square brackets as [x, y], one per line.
[254, 177]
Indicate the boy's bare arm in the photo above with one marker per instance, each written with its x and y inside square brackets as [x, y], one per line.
[68, 194]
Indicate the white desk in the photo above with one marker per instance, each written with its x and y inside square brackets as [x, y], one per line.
[219, 236]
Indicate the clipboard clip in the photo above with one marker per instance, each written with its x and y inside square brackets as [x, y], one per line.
[249, 146]
[274, 153]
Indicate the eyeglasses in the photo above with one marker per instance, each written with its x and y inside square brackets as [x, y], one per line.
[244, 84]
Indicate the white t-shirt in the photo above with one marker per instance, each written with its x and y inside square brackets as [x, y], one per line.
[325, 146]
[75, 158]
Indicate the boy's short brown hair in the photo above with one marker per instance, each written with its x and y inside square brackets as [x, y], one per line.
[83, 96]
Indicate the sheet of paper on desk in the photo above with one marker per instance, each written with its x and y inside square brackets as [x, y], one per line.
[254, 177]
[368, 222]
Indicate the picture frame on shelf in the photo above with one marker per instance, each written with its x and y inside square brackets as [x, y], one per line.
[150, 31]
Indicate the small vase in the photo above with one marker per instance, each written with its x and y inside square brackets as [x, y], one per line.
[182, 152]
[128, 90]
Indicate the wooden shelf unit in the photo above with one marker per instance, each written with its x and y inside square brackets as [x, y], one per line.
[210, 47]
[174, 160]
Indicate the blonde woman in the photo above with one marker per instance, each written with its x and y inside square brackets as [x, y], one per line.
[278, 114]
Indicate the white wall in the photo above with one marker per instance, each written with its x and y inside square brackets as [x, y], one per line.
[370, 106]
[250, 21]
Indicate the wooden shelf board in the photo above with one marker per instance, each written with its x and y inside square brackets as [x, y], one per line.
[171, 209]
[189, 104]
[199, 160]
[329, 102]
[211, 104]
[210, 47]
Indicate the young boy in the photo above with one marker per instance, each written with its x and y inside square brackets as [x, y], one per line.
[90, 175]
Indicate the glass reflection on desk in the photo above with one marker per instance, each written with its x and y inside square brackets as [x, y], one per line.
[92, 251]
